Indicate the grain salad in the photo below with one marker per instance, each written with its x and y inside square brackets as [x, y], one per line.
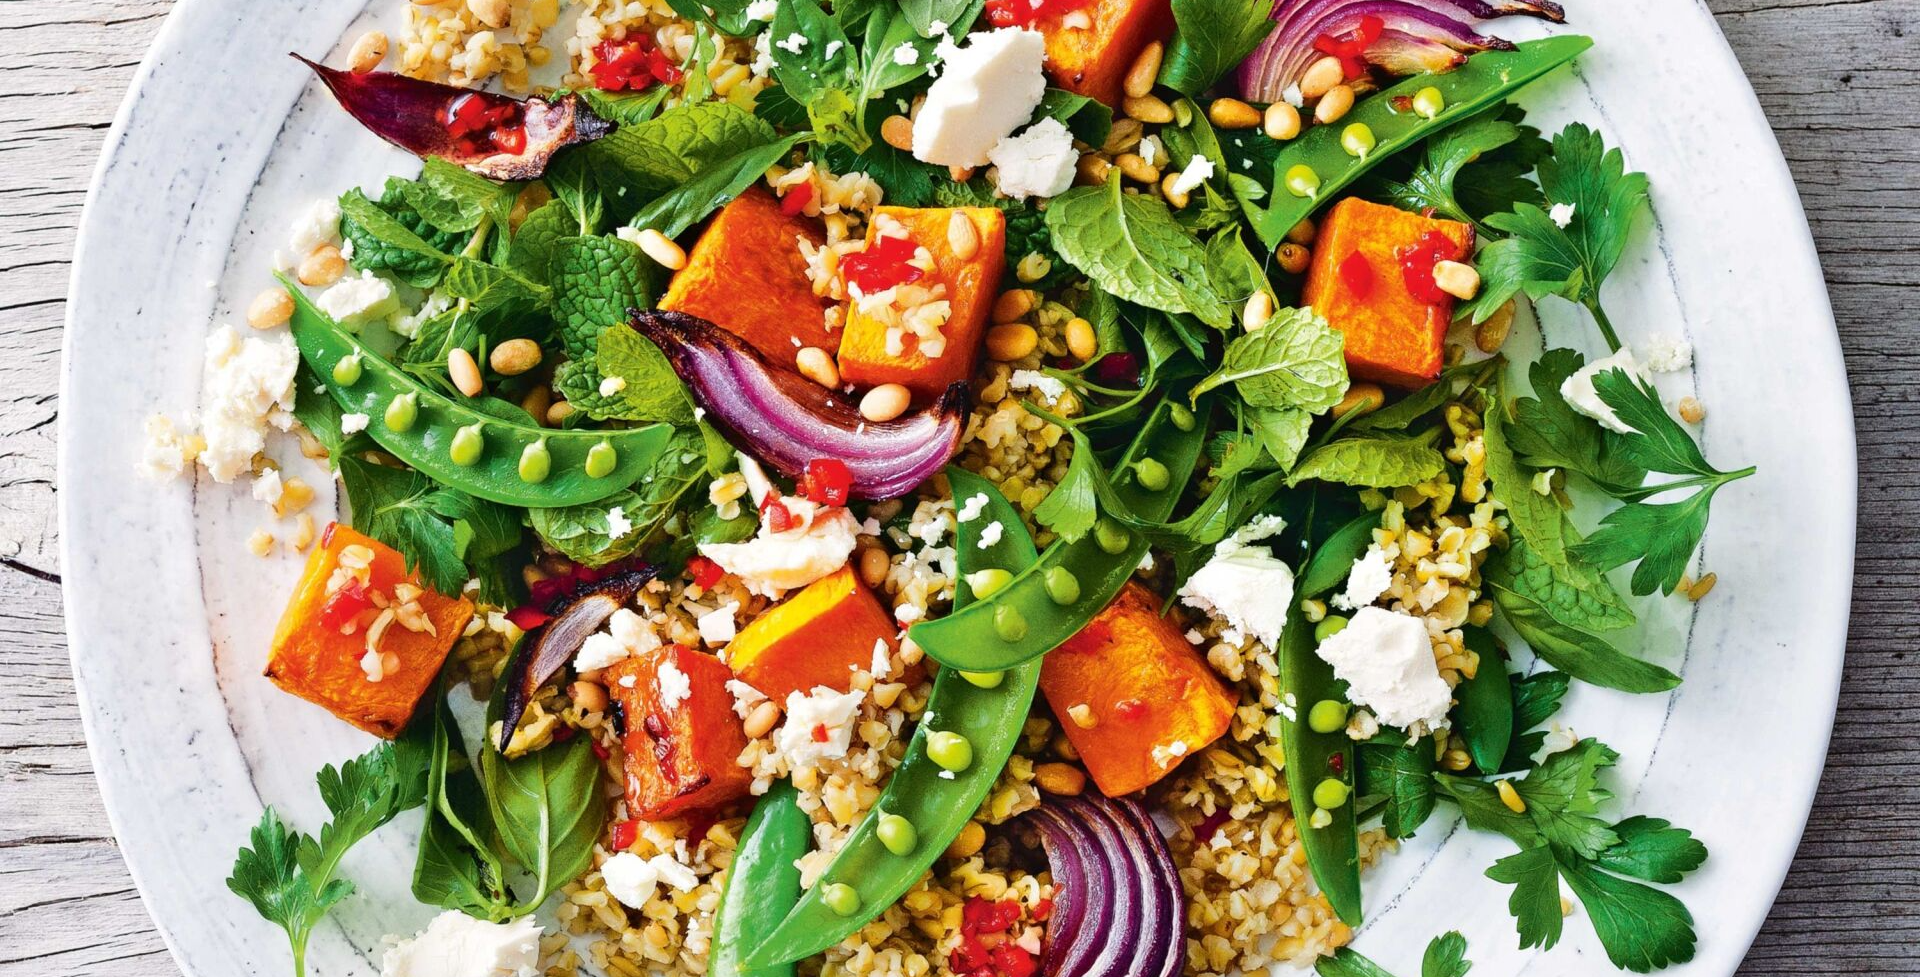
[972, 490]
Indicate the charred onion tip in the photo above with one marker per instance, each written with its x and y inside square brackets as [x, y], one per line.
[534, 663]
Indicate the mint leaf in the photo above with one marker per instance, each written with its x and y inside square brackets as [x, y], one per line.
[452, 199]
[491, 290]
[1296, 360]
[388, 237]
[1446, 956]
[1575, 593]
[1654, 850]
[653, 392]
[1282, 431]
[582, 533]
[1211, 38]
[663, 152]
[1579, 653]
[1642, 928]
[595, 281]
[1375, 462]
[576, 189]
[1131, 247]
[533, 243]
[1535, 902]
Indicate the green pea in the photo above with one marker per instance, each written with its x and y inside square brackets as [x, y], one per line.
[841, 898]
[536, 462]
[1427, 102]
[1062, 586]
[1321, 817]
[402, 412]
[1302, 181]
[1112, 537]
[1329, 626]
[986, 583]
[950, 750]
[1327, 716]
[1009, 623]
[346, 372]
[897, 833]
[468, 444]
[1330, 793]
[1181, 417]
[1151, 474]
[985, 680]
[600, 460]
[1357, 139]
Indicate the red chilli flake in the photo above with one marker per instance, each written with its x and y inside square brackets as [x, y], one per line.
[1336, 762]
[775, 512]
[828, 482]
[985, 949]
[632, 65]
[1210, 826]
[526, 617]
[344, 605]
[795, 202]
[1130, 710]
[1351, 47]
[625, 833]
[1417, 261]
[479, 125]
[820, 734]
[705, 572]
[601, 751]
[1357, 274]
[886, 262]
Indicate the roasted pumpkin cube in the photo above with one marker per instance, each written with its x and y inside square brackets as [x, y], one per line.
[972, 283]
[1367, 263]
[683, 740]
[1093, 60]
[1132, 695]
[361, 637]
[746, 275]
[819, 636]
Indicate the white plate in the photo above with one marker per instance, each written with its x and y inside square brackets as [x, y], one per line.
[223, 138]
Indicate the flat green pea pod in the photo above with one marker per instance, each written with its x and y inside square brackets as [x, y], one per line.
[762, 883]
[483, 455]
[1029, 617]
[1484, 716]
[867, 876]
[1320, 163]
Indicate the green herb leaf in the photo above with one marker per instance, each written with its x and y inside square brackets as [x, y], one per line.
[533, 243]
[653, 392]
[388, 237]
[1642, 928]
[411, 513]
[1403, 774]
[1073, 505]
[1296, 360]
[1550, 434]
[1484, 717]
[666, 151]
[713, 187]
[492, 290]
[1131, 246]
[1211, 37]
[1498, 181]
[1348, 962]
[1577, 652]
[595, 281]
[1376, 462]
[457, 867]
[1658, 443]
[1535, 902]
[583, 533]
[548, 807]
[1446, 956]
[1282, 431]
[1563, 795]
[953, 17]
[452, 199]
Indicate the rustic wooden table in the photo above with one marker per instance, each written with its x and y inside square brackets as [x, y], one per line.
[1839, 78]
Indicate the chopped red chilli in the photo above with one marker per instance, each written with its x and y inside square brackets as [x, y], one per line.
[705, 572]
[1357, 274]
[886, 262]
[344, 605]
[1417, 261]
[796, 200]
[986, 947]
[828, 482]
[775, 512]
[625, 833]
[632, 65]
[1019, 13]
[480, 124]
[1351, 47]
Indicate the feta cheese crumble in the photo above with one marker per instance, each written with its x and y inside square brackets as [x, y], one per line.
[1049, 387]
[792, 43]
[618, 525]
[991, 534]
[627, 634]
[353, 301]
[249, 388]
[673, 685]
[354, 423]
[906, 54]
[611, 386]
[972, 507]
[1666, 354]
[819, 725]
[457, 945]
[1560, 214]
[988, 89]
[634, 880]
[319, 224]
[772, 563]
[1387, 662]
[1370, 577]
[1198, 171]
[763, 10]
[1579, 393]
[717, 626]
[1036, 163]
[1244, 586]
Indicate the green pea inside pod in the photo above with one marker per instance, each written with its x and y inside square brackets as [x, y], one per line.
[1009, 623]
[841, 898]
[402, 412]
[601, 459]
[1153, 475]
[469, 443]
[536, 462]
[984, 680]
[1112, 537]
[348, 370]
[950, 751]
[986, 583]
[897, 834]
[1063, 588]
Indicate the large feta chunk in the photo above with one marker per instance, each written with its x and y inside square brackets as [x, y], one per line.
[1578, 391]
[352, 301]
[1244, 586]
[1387, 663]
[1036, 163]
[819, 725]
[627, 634]
[249, 387]
[1370, 577]
[457, 945]
[318, 224]
[986, 90]
[634, 880]
[772, 563]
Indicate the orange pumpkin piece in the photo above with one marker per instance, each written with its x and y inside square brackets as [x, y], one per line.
[746, 275]
[1094, 60]
[683, 741]
[819, 636]
[1132, 695]
[972, 285]
[1356, 283]
[322, 638]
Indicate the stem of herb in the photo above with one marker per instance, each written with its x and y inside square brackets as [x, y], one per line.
[1606, 325]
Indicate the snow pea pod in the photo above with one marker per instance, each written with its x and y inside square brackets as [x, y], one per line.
[459, 446]
[935, 801]
[1485, 713]
[762, 882]
[1319, 160]
[1053, 599]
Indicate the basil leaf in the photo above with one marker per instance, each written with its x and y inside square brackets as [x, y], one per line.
[709, 190]
[1211, 38]
[548, 808]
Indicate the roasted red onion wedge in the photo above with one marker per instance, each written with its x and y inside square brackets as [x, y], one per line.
[498, 137]
[548, 648]
[1118, 907]
[786, 420]
[1415, 36]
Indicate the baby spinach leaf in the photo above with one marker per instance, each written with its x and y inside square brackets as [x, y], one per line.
[388, 237]
[936, 18]
[666, 151]
[1401, 414]
[1294, 361]
[624, 108]
[1088, 120]
[819, 66]
[1211, 38]
[672, 213]
[457, 867]
[1131, 246]
[1375, 462]
[1573, 650]
[1484, 716]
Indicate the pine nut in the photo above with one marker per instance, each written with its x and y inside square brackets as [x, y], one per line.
[1011, 341]
[514, 357]
[761, 720]
[662, 249]
[814, 364]
[1510, 797]
[492, 13]
[1124, 135]
[323, 267]
[1063, 779]
[270, 308]
[260, 543]
[1282, 121]
[302, 532]
[897, 131]
[464, 372]
[1293, 258]
[295, 495]
[1092, 170]
[1456, 279]
[1136, 168]
[1144, 72]
[1259, 310]
[874, 564]
[1062, 747]
[1703, 587]
[1013, 305]
[1692, 410]
[963, 239]
[1362, 397]
[1082, 341]
[1170, 189]
[1490, 335]
[537, 401]
[1082, 715]
[968, 842]
[1033, 267]
[1148, 109]
[1303, 232]
[960, 174]
[558, 413]
[368, 52]
[1321, 77]
[1231, 113]
[590, 696]
[1076, 20]
[1334, 105]
[885, 402]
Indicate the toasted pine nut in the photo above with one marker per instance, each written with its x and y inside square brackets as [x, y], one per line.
[537, 401]
[1282, 121]
[1692, 410]
[1702, 587]
[814, 364]
[1231, 113]
[761, 720]
[303, 532]
[1303, 232]
[558, 413]
[1062, 747]
[260, 543]
[968, 842]
[589, 696]
[1148, 109]
[1076, 20]
[661, 249]
[270, 308]
[493, 13]
[1011, 341]
[963, 239]
[1510, 797]
[1170, 189]
[1456, 279]
[1334, 105]
[874, 564]
[1363, 397]
[514, 357]
[1293, 258]
[1258, 311]
[295, 495]
[1135, 167]
[1082, 341]
[1124, 135]
[960, 174]
[464, 372]
[1490, 335]
[1082, 715]
[885, 402]
[1092, 170]
[1063, 779]
[323, 267]
[1013, 305]
[1033, 267]
[1321, 76]
[367, 53]
[1143, 73]
[897, 131]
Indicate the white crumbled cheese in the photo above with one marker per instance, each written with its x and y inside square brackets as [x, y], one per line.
[1370, 577]
[758, 484]
[1149, 150]
[1580, 395]
[457, 945]
[1666, 354]
[600, 650]
[991, 534]
[1259, 528]
[1194, 637]
[627, 633]
[762, 53]
[763, 10]
[1387, 662]
[1560, 214]
[792, 43]
[408, 325]
[352, 301]
[1049, 387]
[1293, 97]
[988, 89]
[1244, 586]
[354, 423]
[1198, 171]
[819, 725]
[832, 48]
[618, 525]
[267, 487]
[634, 880]
[319, 224]
[772, 563]
[168, 453]
[673, 685]
[906, 54]
[972, 507]
[907, 614]
[717, 626]
[745, 697]
[1036, 163]
[882, 666]
[611, 386]
[249, 386]
[936, 28]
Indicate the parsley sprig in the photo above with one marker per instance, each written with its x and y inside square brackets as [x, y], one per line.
[1446, 956]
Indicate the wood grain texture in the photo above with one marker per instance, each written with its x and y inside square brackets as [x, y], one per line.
[1840, 80]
